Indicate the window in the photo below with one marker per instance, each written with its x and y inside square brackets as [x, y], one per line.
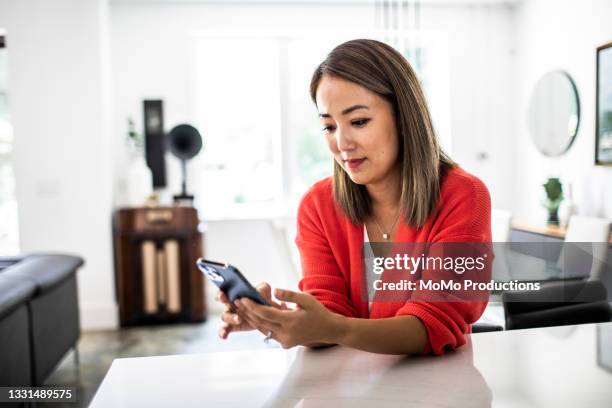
[9, 238]
[238, 113]
[263, 145]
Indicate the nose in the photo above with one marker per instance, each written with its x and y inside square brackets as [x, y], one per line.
[344, 140]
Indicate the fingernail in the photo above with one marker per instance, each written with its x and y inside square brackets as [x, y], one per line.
[237, 303]
[237, 319]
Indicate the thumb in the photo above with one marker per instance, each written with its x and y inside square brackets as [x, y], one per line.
[299, 298]
[265, 290]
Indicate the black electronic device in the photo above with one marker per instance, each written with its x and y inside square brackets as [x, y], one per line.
[155, 143]
[230, 281]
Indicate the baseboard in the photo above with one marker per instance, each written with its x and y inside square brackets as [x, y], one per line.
[97, 316]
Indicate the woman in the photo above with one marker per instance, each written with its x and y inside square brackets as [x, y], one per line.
[392, 182]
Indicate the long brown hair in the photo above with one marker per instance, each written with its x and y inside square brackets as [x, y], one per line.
[384, 71]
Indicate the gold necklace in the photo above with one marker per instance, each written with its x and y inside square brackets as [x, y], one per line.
[386, 235]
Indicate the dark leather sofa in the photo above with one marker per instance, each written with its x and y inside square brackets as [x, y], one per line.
[39, 315]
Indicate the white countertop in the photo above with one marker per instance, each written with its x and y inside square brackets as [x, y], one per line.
[544, 367]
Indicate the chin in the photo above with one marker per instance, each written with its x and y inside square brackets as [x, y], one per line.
[359, 178]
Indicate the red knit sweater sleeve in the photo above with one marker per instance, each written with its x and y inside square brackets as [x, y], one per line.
[321, 274]
[465, 216]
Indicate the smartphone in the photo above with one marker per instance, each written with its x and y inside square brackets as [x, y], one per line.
[230, 281]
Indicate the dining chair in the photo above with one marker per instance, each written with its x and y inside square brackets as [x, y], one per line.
[557, 304]
[586, 238]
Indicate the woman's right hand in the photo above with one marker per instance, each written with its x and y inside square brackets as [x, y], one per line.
[233, 321]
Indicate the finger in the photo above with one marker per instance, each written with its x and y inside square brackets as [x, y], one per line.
[224, 331]
[262, 328]
[301, 299]
[265, 290]
[242, 313]
[265, 330]
[222, 297]
[245, 324]
[231, 318]
[262, 324]
[266, 313]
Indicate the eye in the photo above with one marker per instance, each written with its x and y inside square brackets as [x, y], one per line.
[328, 128]
[360, 122]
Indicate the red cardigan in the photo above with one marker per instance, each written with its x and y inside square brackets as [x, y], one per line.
[330, 248]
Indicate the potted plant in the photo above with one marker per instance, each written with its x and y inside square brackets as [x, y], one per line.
[554, 197]
[139, 177]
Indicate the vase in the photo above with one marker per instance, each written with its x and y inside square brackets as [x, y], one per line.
[570, 206]
[553, 216]
[139, 181]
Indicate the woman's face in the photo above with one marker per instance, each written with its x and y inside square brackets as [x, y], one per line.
[360, 129]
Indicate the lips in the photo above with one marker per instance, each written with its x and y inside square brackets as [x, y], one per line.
[354, 163]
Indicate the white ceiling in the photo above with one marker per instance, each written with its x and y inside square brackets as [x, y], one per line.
[332, 2]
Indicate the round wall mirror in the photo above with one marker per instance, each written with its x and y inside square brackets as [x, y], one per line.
[554, 113]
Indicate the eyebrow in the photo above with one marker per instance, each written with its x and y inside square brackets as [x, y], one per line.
[346, 111]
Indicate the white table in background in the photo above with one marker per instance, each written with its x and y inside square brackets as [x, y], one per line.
[567, 366]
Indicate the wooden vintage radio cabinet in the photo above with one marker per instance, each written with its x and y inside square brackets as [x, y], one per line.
[157, 280]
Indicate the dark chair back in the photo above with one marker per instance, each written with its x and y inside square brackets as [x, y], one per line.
[486, 327]
[557, 304]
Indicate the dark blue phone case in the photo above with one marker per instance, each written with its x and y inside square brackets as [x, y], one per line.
[230, 281]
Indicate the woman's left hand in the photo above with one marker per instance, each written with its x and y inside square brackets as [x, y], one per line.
[308, 324]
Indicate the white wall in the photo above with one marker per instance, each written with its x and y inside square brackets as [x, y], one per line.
[481, 47]
[563, 35]
[58, 90]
